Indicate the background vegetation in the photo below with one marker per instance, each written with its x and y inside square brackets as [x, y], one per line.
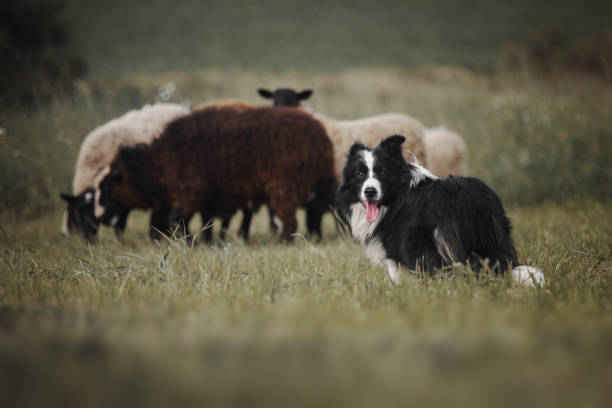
[527, 85]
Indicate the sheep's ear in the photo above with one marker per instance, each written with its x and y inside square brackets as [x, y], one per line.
[305, 94]
[265, 93]
[70, 199]
[355, 148]
[393, 146]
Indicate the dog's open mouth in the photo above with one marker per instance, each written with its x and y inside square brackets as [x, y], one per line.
[371, 209]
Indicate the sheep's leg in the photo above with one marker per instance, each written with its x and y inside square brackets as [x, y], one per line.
[121, 220]
[208, 218]
[313, 219]
[159, 223]
[247, 216]
[316, 208]
[179, 224]
[285, 211]
[273, 226]
[224, 227]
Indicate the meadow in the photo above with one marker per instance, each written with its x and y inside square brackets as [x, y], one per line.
[314, 323]
[133, 322]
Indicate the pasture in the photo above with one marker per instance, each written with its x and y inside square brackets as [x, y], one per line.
[142, 323]
[145, 323]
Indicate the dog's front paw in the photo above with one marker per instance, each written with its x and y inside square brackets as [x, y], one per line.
[393, 270]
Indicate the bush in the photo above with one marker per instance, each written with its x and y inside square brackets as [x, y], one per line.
[34, 46]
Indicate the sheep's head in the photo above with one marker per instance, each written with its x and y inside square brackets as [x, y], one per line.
[285, 97]
[79, 216]
[123, 184]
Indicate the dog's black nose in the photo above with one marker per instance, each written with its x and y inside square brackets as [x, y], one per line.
[370, 192]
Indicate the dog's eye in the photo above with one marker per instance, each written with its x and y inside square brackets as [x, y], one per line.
[360, 174]
[381, 173]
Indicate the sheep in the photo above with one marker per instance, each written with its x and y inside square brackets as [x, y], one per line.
[217, 160]
[442, 150]
[445, 151]
[371, 130]
[96, 153]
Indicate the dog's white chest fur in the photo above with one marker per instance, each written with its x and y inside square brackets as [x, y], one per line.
[363, 232]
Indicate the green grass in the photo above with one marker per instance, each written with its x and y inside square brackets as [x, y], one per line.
[160, 324]
[145, 324]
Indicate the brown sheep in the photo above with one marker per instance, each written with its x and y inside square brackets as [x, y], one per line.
[217, 160]
[442, 150]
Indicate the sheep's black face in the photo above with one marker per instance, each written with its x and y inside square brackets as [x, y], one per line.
[105, 206]
[285, 97]
[80, 214]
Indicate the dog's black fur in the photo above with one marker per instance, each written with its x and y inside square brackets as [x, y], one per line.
[426, 222]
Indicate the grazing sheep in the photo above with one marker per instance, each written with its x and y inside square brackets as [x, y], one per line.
[96, 153]
[445, 151]
[442, 150]
[217, 160]
[371, 130]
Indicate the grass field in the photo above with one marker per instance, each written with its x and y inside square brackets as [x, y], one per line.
[153, 324]
[307, 324]
[141, 323]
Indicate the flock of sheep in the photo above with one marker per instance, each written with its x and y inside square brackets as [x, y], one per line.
[219, 158]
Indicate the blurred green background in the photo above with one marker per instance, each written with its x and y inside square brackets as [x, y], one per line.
[120, 37]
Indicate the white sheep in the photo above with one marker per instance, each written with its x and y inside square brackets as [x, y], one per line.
[99, 149]
[441, 150]
[445, 152]
[370, 131]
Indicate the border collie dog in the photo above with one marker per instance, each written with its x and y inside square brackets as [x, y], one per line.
[405, 216]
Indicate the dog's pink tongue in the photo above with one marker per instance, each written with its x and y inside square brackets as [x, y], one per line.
[371, 211]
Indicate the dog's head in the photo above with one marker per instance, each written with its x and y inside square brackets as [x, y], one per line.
[371, 176]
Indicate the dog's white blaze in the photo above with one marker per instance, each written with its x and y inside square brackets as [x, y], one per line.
[528, 275]
[420, 173]
[98, 208]
[368, 158]
[65, 223]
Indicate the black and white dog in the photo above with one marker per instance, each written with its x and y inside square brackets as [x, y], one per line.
[405, 216]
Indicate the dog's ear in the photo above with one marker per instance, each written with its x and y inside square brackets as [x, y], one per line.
[264, 93]
[355, 148]
[305, 94]
[393, 146]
